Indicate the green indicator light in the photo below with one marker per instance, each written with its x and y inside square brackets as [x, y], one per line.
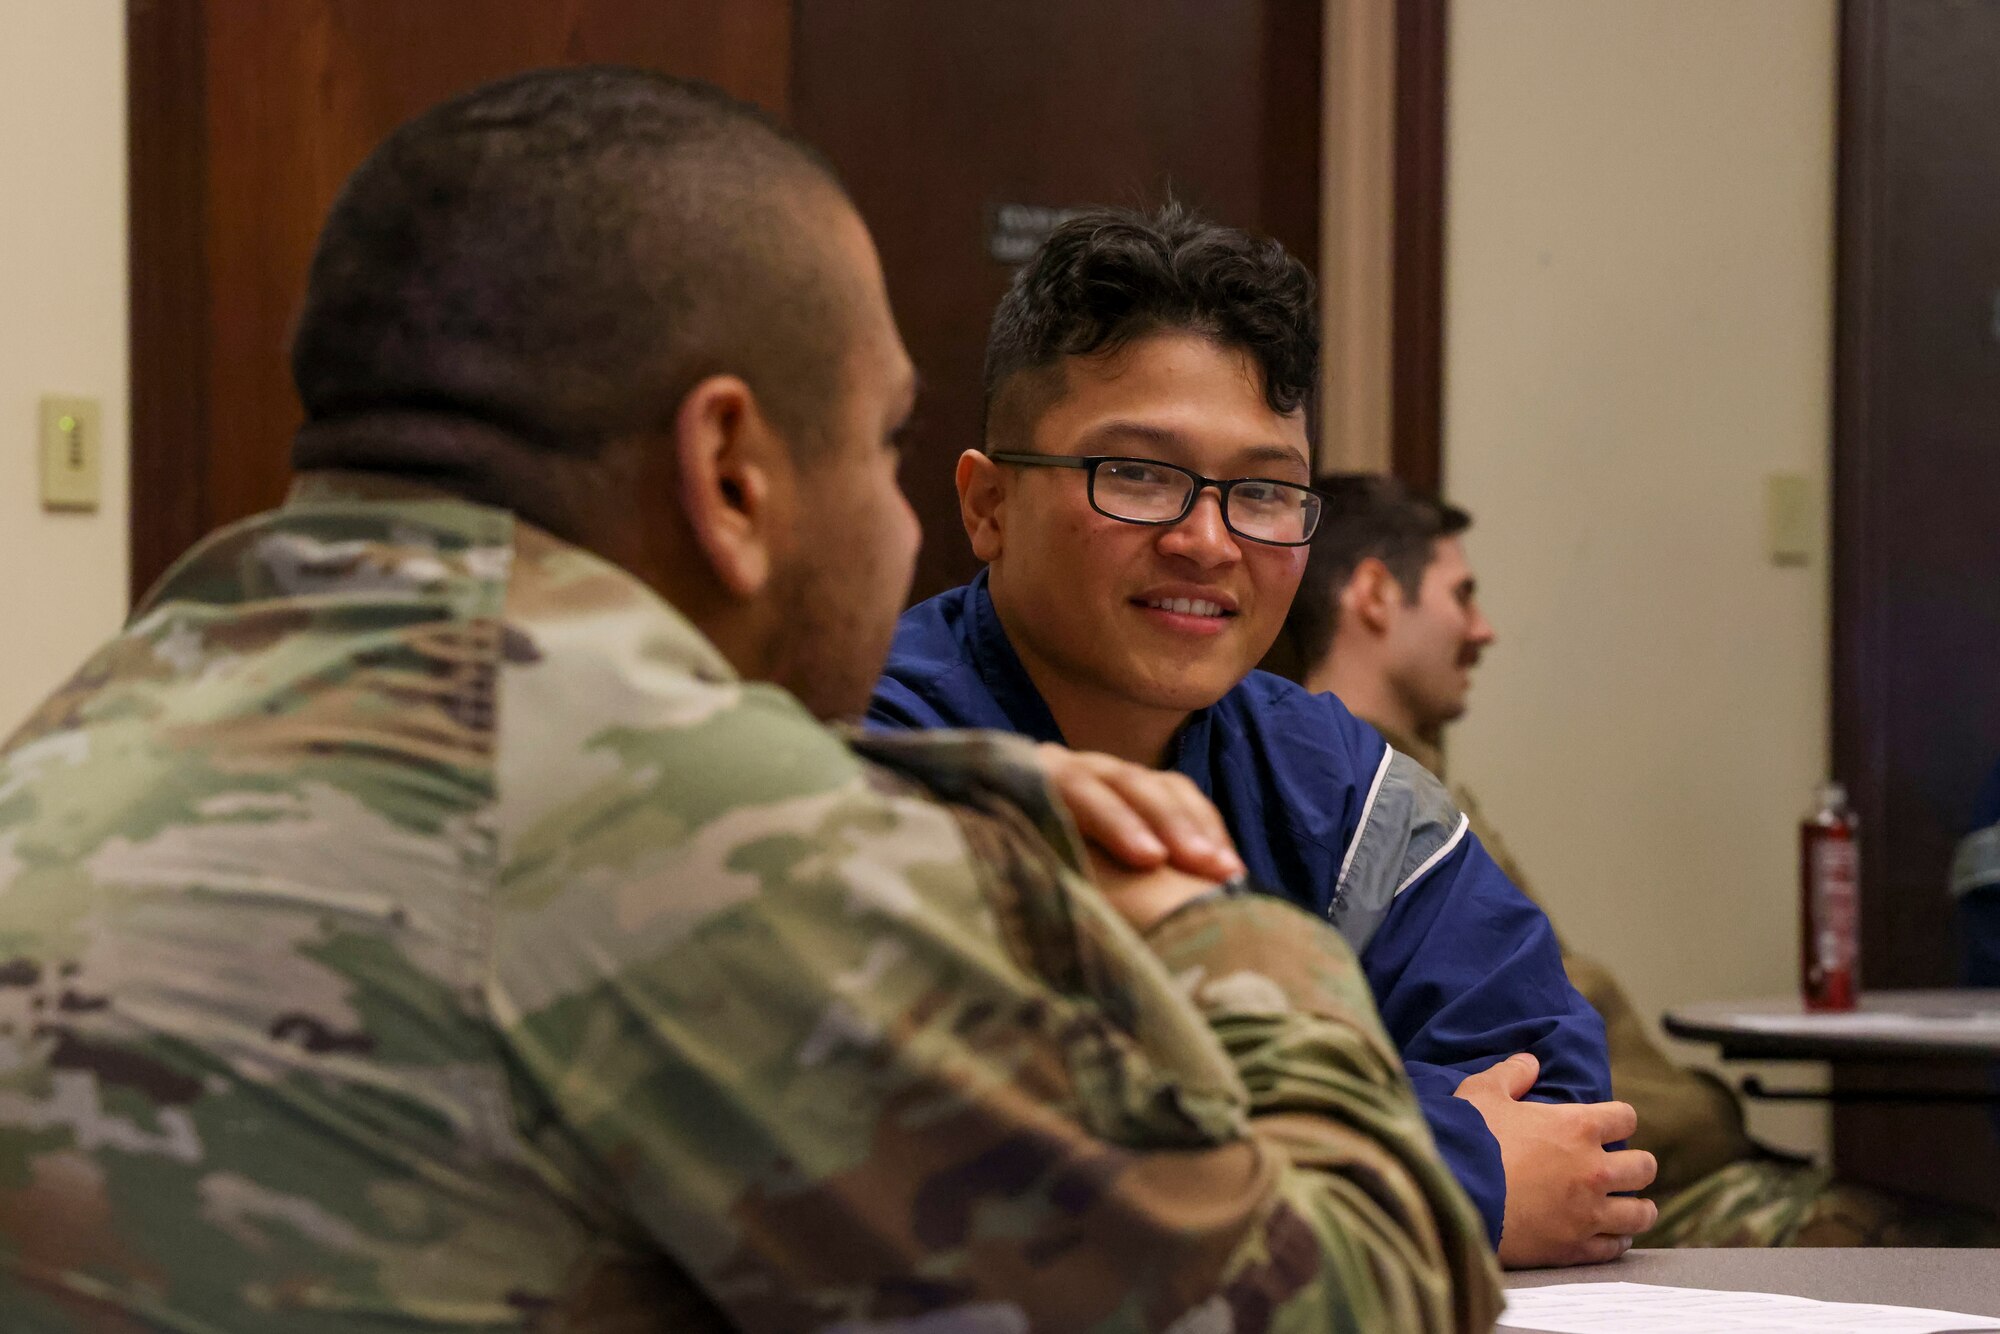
[66, 423]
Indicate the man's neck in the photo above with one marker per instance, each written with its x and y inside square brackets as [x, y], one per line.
[465, 457]
[1095, 719]
[1366, 693]
[1092, 720]
[584, 501]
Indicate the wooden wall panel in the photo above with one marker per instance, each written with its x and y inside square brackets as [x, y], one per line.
[167, 143]
[1383, 238]
[1916, 473]
[1916, 488]
[246, 118]
[1417, 327]
[936, 112]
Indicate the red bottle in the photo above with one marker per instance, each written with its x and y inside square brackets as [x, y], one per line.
[1830, 902]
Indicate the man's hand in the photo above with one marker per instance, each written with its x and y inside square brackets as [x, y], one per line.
[1142, 818]
[1560, 1205]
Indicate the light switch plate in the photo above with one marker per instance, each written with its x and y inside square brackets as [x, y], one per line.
[72, 449]
[1789, 528]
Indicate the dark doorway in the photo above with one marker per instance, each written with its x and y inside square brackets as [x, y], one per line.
[962, 129]
[1916, 479]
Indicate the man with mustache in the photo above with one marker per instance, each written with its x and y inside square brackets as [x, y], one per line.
[443, 907]
[1388, 618]
[1141, 504]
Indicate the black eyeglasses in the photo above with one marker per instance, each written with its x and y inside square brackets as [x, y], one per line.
[1278, 514]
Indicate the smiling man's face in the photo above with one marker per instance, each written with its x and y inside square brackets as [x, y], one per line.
[1109, 614]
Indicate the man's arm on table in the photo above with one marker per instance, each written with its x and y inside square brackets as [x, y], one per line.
[1468, 973]
[849, 1054]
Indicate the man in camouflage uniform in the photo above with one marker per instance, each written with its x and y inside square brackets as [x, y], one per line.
[1387, 618]
[442, 908]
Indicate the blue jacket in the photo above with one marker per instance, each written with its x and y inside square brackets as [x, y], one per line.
[1464, 968]
[1975, 879]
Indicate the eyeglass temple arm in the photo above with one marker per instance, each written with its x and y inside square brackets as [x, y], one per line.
[1041, 460]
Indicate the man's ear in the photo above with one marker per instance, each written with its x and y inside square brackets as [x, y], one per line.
[982, 495]
[1372, 596]
[736, 483]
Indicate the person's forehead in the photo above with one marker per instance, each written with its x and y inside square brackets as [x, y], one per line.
[1180, 398]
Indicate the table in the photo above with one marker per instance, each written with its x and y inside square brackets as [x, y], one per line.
[1967, 1281]
[1912, 1077]
[1888, 1025]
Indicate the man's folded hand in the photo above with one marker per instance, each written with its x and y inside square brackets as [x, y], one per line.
[1563, 1205]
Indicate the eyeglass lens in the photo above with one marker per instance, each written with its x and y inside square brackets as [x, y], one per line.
[1155, 493]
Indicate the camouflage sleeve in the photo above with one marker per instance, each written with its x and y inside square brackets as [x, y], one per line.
[1288, 1000]
[859, 1058]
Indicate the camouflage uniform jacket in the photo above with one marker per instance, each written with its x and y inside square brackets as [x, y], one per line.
[1688, 1119]
[411, 923]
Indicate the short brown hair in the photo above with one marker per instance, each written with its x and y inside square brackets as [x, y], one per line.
[1363, 515]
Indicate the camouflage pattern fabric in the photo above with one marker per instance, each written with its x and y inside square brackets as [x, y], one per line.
[1773, 1202]
[411, 924]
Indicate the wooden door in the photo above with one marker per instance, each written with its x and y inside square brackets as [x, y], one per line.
[952, 123]
[245, 119]
[1916, 667]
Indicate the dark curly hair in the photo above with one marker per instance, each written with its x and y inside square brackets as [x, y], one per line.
[1108, 276]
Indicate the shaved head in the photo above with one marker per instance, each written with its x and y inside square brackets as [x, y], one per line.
[645, 318]
[561, 256]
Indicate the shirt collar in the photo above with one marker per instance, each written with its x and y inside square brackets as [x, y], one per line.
[333, 485]
[1423, 752]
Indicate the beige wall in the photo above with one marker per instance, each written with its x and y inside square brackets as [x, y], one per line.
[62, 328]
[1639, 295]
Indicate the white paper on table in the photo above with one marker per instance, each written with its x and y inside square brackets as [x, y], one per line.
[1648, 1308]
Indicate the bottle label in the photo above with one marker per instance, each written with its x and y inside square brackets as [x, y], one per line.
[1835, 901]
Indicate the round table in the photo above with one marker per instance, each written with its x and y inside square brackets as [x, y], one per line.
[1887, 1025]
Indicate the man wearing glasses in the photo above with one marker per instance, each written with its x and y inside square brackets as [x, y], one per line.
[1143, 510]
